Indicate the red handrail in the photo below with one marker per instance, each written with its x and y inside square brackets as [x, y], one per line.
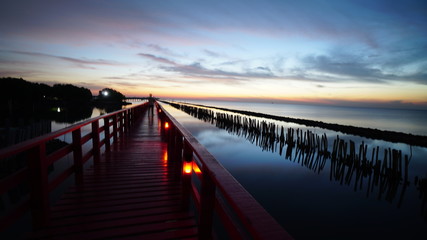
[36, 172]
[219, 191]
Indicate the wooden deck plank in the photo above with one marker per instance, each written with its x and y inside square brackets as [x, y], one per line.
[132, 193]
[76, 220]
[138, 184]
[187, 233]
[123, 200]
[115, 223]
[161, 228]
[115, 197]
[96, 210]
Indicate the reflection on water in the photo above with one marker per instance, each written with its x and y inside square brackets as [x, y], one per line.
[391, 177]
[70, 114]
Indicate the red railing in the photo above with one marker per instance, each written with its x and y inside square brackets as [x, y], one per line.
[36, 171]
[216, 191]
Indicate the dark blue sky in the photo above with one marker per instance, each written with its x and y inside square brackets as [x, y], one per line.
[323, 51]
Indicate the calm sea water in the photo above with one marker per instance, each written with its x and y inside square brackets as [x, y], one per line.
[307, 194]
[399, 120]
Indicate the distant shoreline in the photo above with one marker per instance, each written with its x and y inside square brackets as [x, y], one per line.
[386, 135]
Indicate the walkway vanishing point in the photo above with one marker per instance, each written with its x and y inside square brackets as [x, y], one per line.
[143, 177]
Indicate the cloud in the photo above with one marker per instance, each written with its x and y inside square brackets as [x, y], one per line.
[20, 73]
[420, 78]
[212, 53]
[162, 50]
[196, 69]
[80, 62]
[266, 69]
[157, 59]
[349, 67]
[338, 65]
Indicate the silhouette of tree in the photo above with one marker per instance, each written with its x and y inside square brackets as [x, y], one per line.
[17, 89]
[21, 99]
[69, 93]
[110, 95]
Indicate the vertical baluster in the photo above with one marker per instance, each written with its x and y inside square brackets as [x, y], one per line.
[179, 146]
[207, 203]
[78, 156]
[107, 133]
[121, 124]
[115, 128]
[186, 178]
[125, 121]
[95, 141]
[39, 186]
[130, 118]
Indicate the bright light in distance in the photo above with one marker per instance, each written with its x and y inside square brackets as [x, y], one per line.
[105, 93]
[166, 125]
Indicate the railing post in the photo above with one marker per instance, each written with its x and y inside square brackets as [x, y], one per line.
[107, 133]
[186, 178]
[207, 203]
[95, 141]
[171, 135]
[121, 124]
[115, 138]
[78, 156]
[130, 117]
[134, 115]
[39, 186]
[178, 147]
[125, 121]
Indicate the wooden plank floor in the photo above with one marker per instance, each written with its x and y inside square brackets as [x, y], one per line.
[133, 193]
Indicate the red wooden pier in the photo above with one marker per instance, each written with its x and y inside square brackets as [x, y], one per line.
[144, 176]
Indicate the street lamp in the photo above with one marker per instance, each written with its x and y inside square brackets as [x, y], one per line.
[105, 93]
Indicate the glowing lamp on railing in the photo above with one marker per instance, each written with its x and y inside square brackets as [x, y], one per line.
[187, 168]
[160, 110]
[165, 158]
[166, 125]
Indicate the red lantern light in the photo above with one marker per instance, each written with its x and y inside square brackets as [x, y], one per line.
[187, 168]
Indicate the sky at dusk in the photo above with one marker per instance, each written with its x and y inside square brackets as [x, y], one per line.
[323, 51]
